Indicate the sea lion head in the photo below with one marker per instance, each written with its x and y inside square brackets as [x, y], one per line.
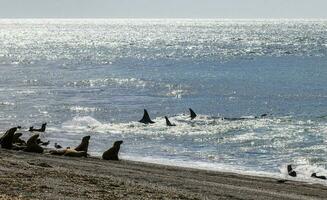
[86, 138]
[12, 130]
[118, 143]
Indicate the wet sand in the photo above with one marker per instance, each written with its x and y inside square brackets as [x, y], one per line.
[41, 176]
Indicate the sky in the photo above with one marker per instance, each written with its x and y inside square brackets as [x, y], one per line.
[163, 9]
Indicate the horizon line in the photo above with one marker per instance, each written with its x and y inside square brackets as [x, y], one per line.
[170, 18]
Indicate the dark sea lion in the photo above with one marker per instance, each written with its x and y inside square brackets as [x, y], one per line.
[57, 146]
[84, 144]
[39, 141]
[45, 143]
[32, 146]
[146, 118]
[192, 114]
[314, 175]
[42, 129]
[112, 153]
[7, 138]
[168, 123]
[290, 171]
[17, 140]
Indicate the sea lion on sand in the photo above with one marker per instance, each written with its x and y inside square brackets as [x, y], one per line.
[7, 138]
[314, 175]
[290, 171]
[58, 152]
[69, 152]
[192, 114]
[42, 129]
[84, 144]
[112, 153]
[17, 140]
[74, 153]
[168, 123]
[32, 145]
[146, 118]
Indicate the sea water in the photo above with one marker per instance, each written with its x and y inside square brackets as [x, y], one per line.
[95, 77]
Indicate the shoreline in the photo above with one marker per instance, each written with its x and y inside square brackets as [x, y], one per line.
[42, 176]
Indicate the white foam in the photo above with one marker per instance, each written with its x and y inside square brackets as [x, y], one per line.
[6, 103]
[303, 171]
[83, 109]
[266, 148]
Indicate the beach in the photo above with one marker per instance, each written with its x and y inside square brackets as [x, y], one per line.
[42, 176]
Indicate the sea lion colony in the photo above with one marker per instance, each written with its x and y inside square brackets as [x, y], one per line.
[11, 140]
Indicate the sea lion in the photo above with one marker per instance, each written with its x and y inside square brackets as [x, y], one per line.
[57, 146]
[314, 175]
[32, 145]
[168, 123]
[39, 141]
[84, 144]
[17, 140]
[146, 118]
[69, 152]
[74, 153]
[42, 129]
[192, 114]
[112, 153]
[45, 143]
[58, 152]
[7, 138]
[290, 171]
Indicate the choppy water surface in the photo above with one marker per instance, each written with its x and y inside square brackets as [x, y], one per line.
[96, 76]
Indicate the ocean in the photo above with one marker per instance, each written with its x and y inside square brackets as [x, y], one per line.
[95, 76]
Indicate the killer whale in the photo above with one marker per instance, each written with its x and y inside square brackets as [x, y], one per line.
[192, 114]
[146, 118]
[168, 123]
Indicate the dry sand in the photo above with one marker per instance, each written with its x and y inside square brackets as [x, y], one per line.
[40, 176]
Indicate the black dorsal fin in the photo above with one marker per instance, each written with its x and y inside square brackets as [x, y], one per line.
[146, 118]
[168, 123]
[193, 115]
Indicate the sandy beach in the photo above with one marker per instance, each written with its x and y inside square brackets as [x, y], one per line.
[41, 176]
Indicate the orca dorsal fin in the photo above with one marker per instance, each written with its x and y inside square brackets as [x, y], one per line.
[168, 123]
[146, 118]
[193, 115]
